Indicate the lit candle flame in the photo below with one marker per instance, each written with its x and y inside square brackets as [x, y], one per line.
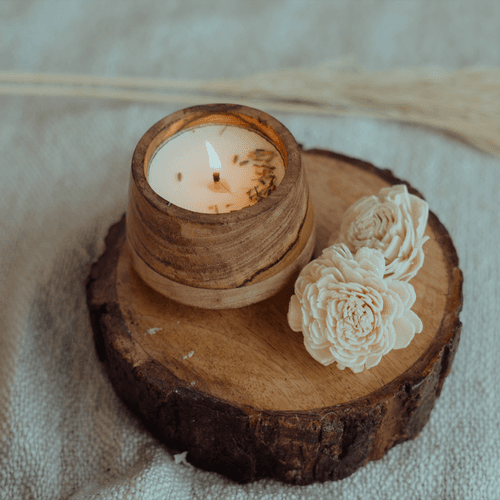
[213, 158]
[215, 163]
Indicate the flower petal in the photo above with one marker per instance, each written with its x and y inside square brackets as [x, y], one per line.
[322, 355]
[356, 368]
[405, 331]
[350, 275]
[295, 314]
[420, 214]
[371, 260]
[417, 322]
[373, 361]
[404, 290]
[389, 193]
[392, 251]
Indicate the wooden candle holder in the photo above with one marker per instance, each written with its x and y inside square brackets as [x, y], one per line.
[220, 261]
[237, 389]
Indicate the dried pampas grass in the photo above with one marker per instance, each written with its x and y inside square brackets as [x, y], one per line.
[465, 102]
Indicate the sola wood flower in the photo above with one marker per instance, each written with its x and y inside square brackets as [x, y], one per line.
[393, 222]
[348, 312]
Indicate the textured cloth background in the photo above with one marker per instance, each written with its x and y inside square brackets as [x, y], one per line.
[63, 180]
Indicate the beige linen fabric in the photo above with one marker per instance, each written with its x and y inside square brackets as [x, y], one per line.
[63, 180]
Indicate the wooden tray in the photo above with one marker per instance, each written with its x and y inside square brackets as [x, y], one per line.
[236, 387]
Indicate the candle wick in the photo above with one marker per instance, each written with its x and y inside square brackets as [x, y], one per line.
[218, 185]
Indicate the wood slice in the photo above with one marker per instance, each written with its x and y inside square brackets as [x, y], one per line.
[236, 387]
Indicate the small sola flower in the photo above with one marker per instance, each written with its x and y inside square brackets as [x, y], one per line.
[393, 222]
[348, 313]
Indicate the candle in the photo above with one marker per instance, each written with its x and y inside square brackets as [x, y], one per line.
[226, 159]
[215, 169]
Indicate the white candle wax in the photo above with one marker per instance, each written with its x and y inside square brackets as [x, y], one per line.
[248, 166]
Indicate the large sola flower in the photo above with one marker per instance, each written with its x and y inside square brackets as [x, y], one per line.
[393, 222]
[348, 312]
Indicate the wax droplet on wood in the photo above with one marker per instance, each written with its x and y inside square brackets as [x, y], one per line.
[180, 458]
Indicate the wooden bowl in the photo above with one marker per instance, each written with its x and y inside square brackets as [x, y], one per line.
[220, 261]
